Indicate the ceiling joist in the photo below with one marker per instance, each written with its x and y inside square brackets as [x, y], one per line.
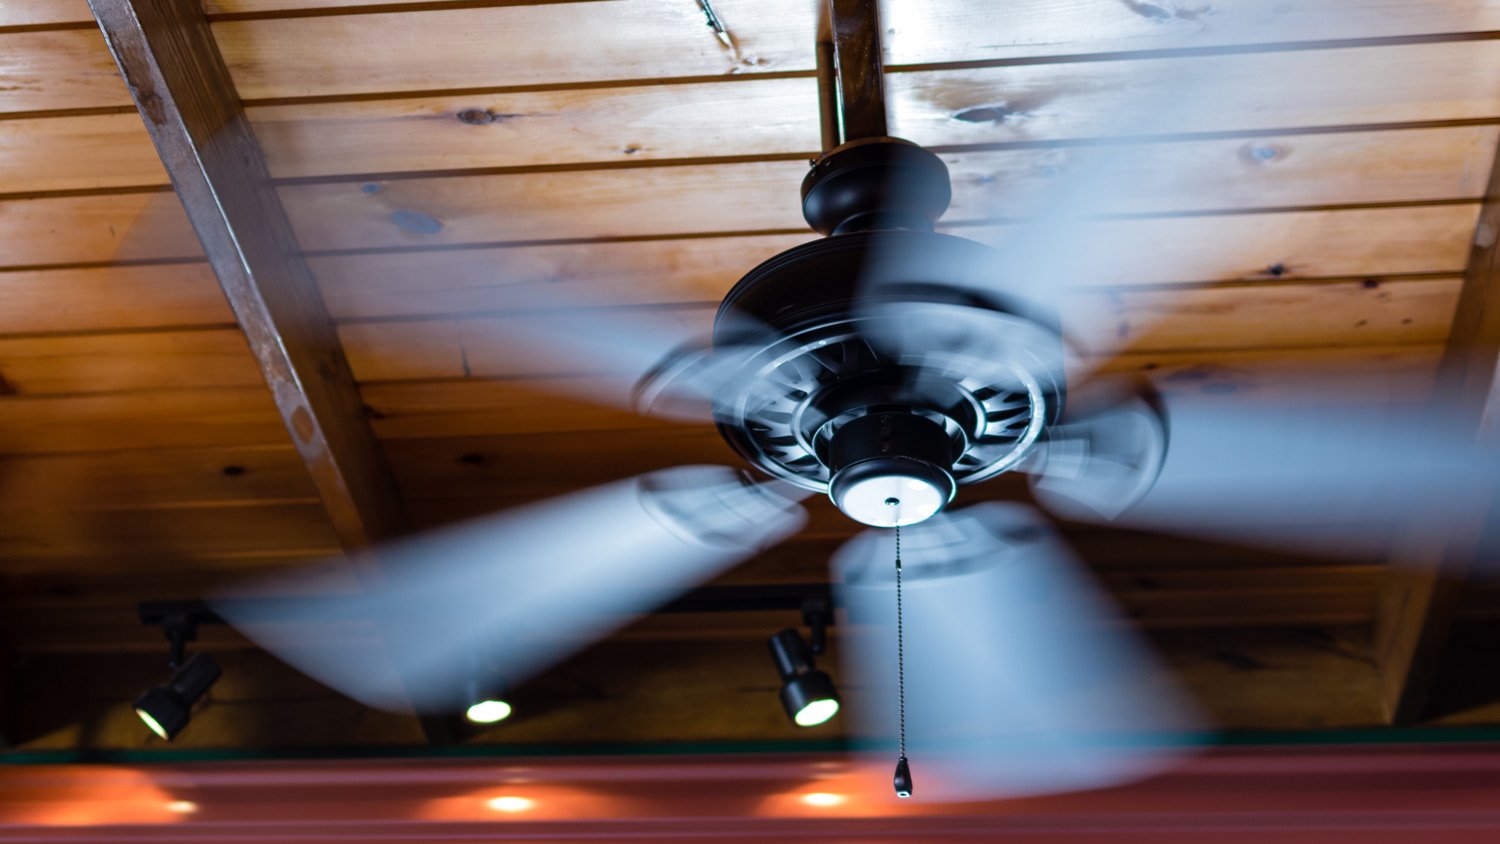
[179, 82]
[1420, 601]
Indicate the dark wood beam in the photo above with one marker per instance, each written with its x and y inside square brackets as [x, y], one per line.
[1420, 600]
[855, 26]
[182, 88]
[180, 84]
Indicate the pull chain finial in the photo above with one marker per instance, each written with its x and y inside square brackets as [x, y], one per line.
[902, 779]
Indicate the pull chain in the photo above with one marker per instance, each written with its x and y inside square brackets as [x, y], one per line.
[902, 779]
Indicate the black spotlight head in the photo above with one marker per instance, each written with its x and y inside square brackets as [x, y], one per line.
[807, 695]
[167, 709]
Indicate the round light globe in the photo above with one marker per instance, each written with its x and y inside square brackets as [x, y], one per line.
[891, 500]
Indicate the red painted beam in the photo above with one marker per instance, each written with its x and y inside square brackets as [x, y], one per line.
[1370, 796]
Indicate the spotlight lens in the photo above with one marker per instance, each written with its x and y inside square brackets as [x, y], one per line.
[152, 723]
[891, 500]
[488, 711]
[816, 712]
[511, 804]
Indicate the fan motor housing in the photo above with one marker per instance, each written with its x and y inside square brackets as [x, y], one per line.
[806, 414]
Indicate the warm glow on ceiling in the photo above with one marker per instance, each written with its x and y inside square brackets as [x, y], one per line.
[511, 803]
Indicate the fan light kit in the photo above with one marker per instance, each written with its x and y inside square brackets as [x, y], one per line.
[828, 388]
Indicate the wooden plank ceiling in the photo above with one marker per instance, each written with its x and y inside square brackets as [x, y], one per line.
[620, 150]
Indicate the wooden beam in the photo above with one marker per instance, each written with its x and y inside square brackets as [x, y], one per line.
[860, 69]
[1420, 600]
[182, 88]
[180, 84]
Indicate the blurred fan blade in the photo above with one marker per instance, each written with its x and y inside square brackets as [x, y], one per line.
[1299, 473]
[1105, 461]
[1060, 217]
[521, 589]
[1020, 678]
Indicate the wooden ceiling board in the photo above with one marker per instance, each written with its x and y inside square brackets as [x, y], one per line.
[1264, 316]
[1314, 170]
[1271, 247]
[456, 48]
[143, 419]
[77, 153]
[509, 46]
[59, 70]
[119, 298]
[42, 12]
[1027, 104]
[96, 228]
[47, 537]
[171, 477]
[473, 407]
[108, 363]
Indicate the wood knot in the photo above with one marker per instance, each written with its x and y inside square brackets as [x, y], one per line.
[483, 116]
[416, 222]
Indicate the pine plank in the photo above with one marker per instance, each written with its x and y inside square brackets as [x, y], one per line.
[462, 408]
[77, 153]
[1260, 316]
[48, 70]
[954, 30]
[148, 419]
[121, 362]
[465, 281]
[1232, 93]
[136, 479]
[1361, 167]
[1274, 315]
[628, 124]
[1355, 243]
[33, 537]
[40, 12]
[96, 298]
[1365, 242]
[96, 228]
[1338, 168]
[455, 48]
[1023, 104]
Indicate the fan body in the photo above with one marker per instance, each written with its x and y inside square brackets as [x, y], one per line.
[837, 395]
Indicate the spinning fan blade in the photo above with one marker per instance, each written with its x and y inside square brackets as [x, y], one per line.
[1059, 216]
[1020, 679]
[1301, 473]
[519, 590]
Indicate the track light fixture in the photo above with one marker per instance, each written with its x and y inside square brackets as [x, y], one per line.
[807, 694]
[166, 709]
[486, 698]
[487, 703]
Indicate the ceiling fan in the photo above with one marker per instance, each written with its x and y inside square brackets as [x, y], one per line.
[886, 365]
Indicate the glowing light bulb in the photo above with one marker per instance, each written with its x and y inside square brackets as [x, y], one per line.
[182, 807]
[816, 712]
[823, 799]
[511, 803]
[488, 711]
